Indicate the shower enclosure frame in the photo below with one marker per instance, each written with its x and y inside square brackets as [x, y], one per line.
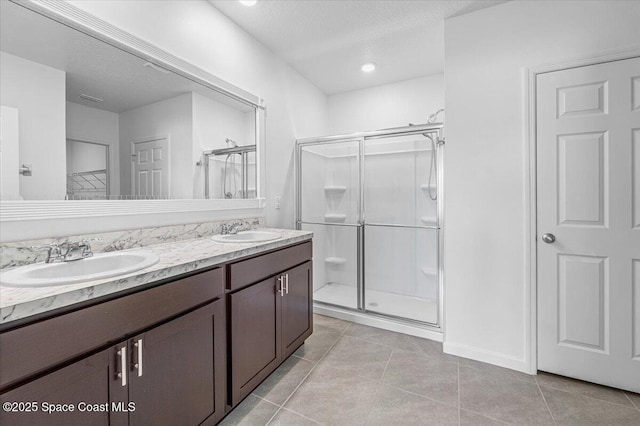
[243, 151]
[436, 131]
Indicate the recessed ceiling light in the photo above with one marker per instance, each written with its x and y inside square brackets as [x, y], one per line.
[248, 2]
[368, 67]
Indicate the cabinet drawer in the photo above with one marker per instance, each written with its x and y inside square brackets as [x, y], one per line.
[260, 267]
[36, 347]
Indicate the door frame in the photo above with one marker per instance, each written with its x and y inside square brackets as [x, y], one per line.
[108, 157]
[133, 171]
[530, 189]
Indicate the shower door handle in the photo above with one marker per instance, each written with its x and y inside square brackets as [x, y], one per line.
[548, 238]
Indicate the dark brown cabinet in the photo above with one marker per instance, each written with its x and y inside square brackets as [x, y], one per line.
[171, 374]
[177, 370]
[254, 339]
[54, 399]
[171, 370]
[297, 308]
[176, 352]
[269, 320]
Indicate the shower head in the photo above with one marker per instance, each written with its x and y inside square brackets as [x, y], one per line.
[231, 143]
[433, 117]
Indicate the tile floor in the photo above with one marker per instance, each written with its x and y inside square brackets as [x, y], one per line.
[350, 374]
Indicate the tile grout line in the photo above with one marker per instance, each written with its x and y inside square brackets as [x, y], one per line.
[603, 387]
[380, 384]
[487, 416]
[405, 350]
[301, 415]
[419, 395]
[545, 401]
[593, 398]
[305, 377]
[396, 349]
[632, 403]
[510, 378]
[265, 399]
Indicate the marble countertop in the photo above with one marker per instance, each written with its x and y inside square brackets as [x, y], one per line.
[176, 258]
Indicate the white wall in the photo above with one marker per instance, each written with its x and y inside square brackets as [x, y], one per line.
[200, 34]
[171, 118]
[487, 54]
[9, 154]
[95, 125]
[38, 92]
[390, 105]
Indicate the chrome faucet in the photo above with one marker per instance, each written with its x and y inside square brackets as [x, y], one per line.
[78, 250]
[233, 228]
[54, 253]
[66, 251]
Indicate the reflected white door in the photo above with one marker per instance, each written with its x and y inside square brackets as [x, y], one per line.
[588, 189]
[150, 168]
[9, 154]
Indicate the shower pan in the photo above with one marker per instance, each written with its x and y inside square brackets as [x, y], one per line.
[374, 203]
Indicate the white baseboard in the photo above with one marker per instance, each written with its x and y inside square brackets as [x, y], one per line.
[482, 355]
[379, 322]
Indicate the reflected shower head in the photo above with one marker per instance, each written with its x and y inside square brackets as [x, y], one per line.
[433, 117]
[231, 143]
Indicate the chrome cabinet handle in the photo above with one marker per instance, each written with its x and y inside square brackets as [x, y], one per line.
[548, 238]
[122, 374]
[281, 285]
[286, 285]
[138, 364]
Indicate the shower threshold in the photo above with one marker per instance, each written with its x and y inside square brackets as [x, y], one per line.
[381, 302]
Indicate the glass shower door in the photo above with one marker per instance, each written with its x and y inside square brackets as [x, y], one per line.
[401, 228]
[329, 205]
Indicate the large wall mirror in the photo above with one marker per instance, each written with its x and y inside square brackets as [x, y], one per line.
[91, 113]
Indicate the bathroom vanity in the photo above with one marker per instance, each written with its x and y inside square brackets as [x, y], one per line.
[185, 348]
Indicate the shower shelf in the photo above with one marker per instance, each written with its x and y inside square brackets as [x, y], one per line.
[335, 217]
[429, 220]
[427, 187]
[334, 189]
[335, 260]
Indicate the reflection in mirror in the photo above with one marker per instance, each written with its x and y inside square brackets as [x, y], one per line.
[95, 122]
[230, 172]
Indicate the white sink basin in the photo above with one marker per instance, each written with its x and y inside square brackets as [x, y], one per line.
[253, 236]
[97, 267]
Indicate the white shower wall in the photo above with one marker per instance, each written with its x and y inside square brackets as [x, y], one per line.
[396, 193]
[330, 198]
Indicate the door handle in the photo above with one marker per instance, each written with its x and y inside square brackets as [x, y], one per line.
[548, 238]
[286, 283]
[281, 285]
[138, 364]
[122, 374]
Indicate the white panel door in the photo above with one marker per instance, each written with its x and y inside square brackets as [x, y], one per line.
[150, 161]
[9, 154]
[588, 190]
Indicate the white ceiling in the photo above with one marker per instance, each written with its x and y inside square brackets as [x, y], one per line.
[328, 40]
[91, 66]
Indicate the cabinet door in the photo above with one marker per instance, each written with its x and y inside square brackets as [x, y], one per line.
[297, 310]
[85, 381]
[255, 336]
[177, 370]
